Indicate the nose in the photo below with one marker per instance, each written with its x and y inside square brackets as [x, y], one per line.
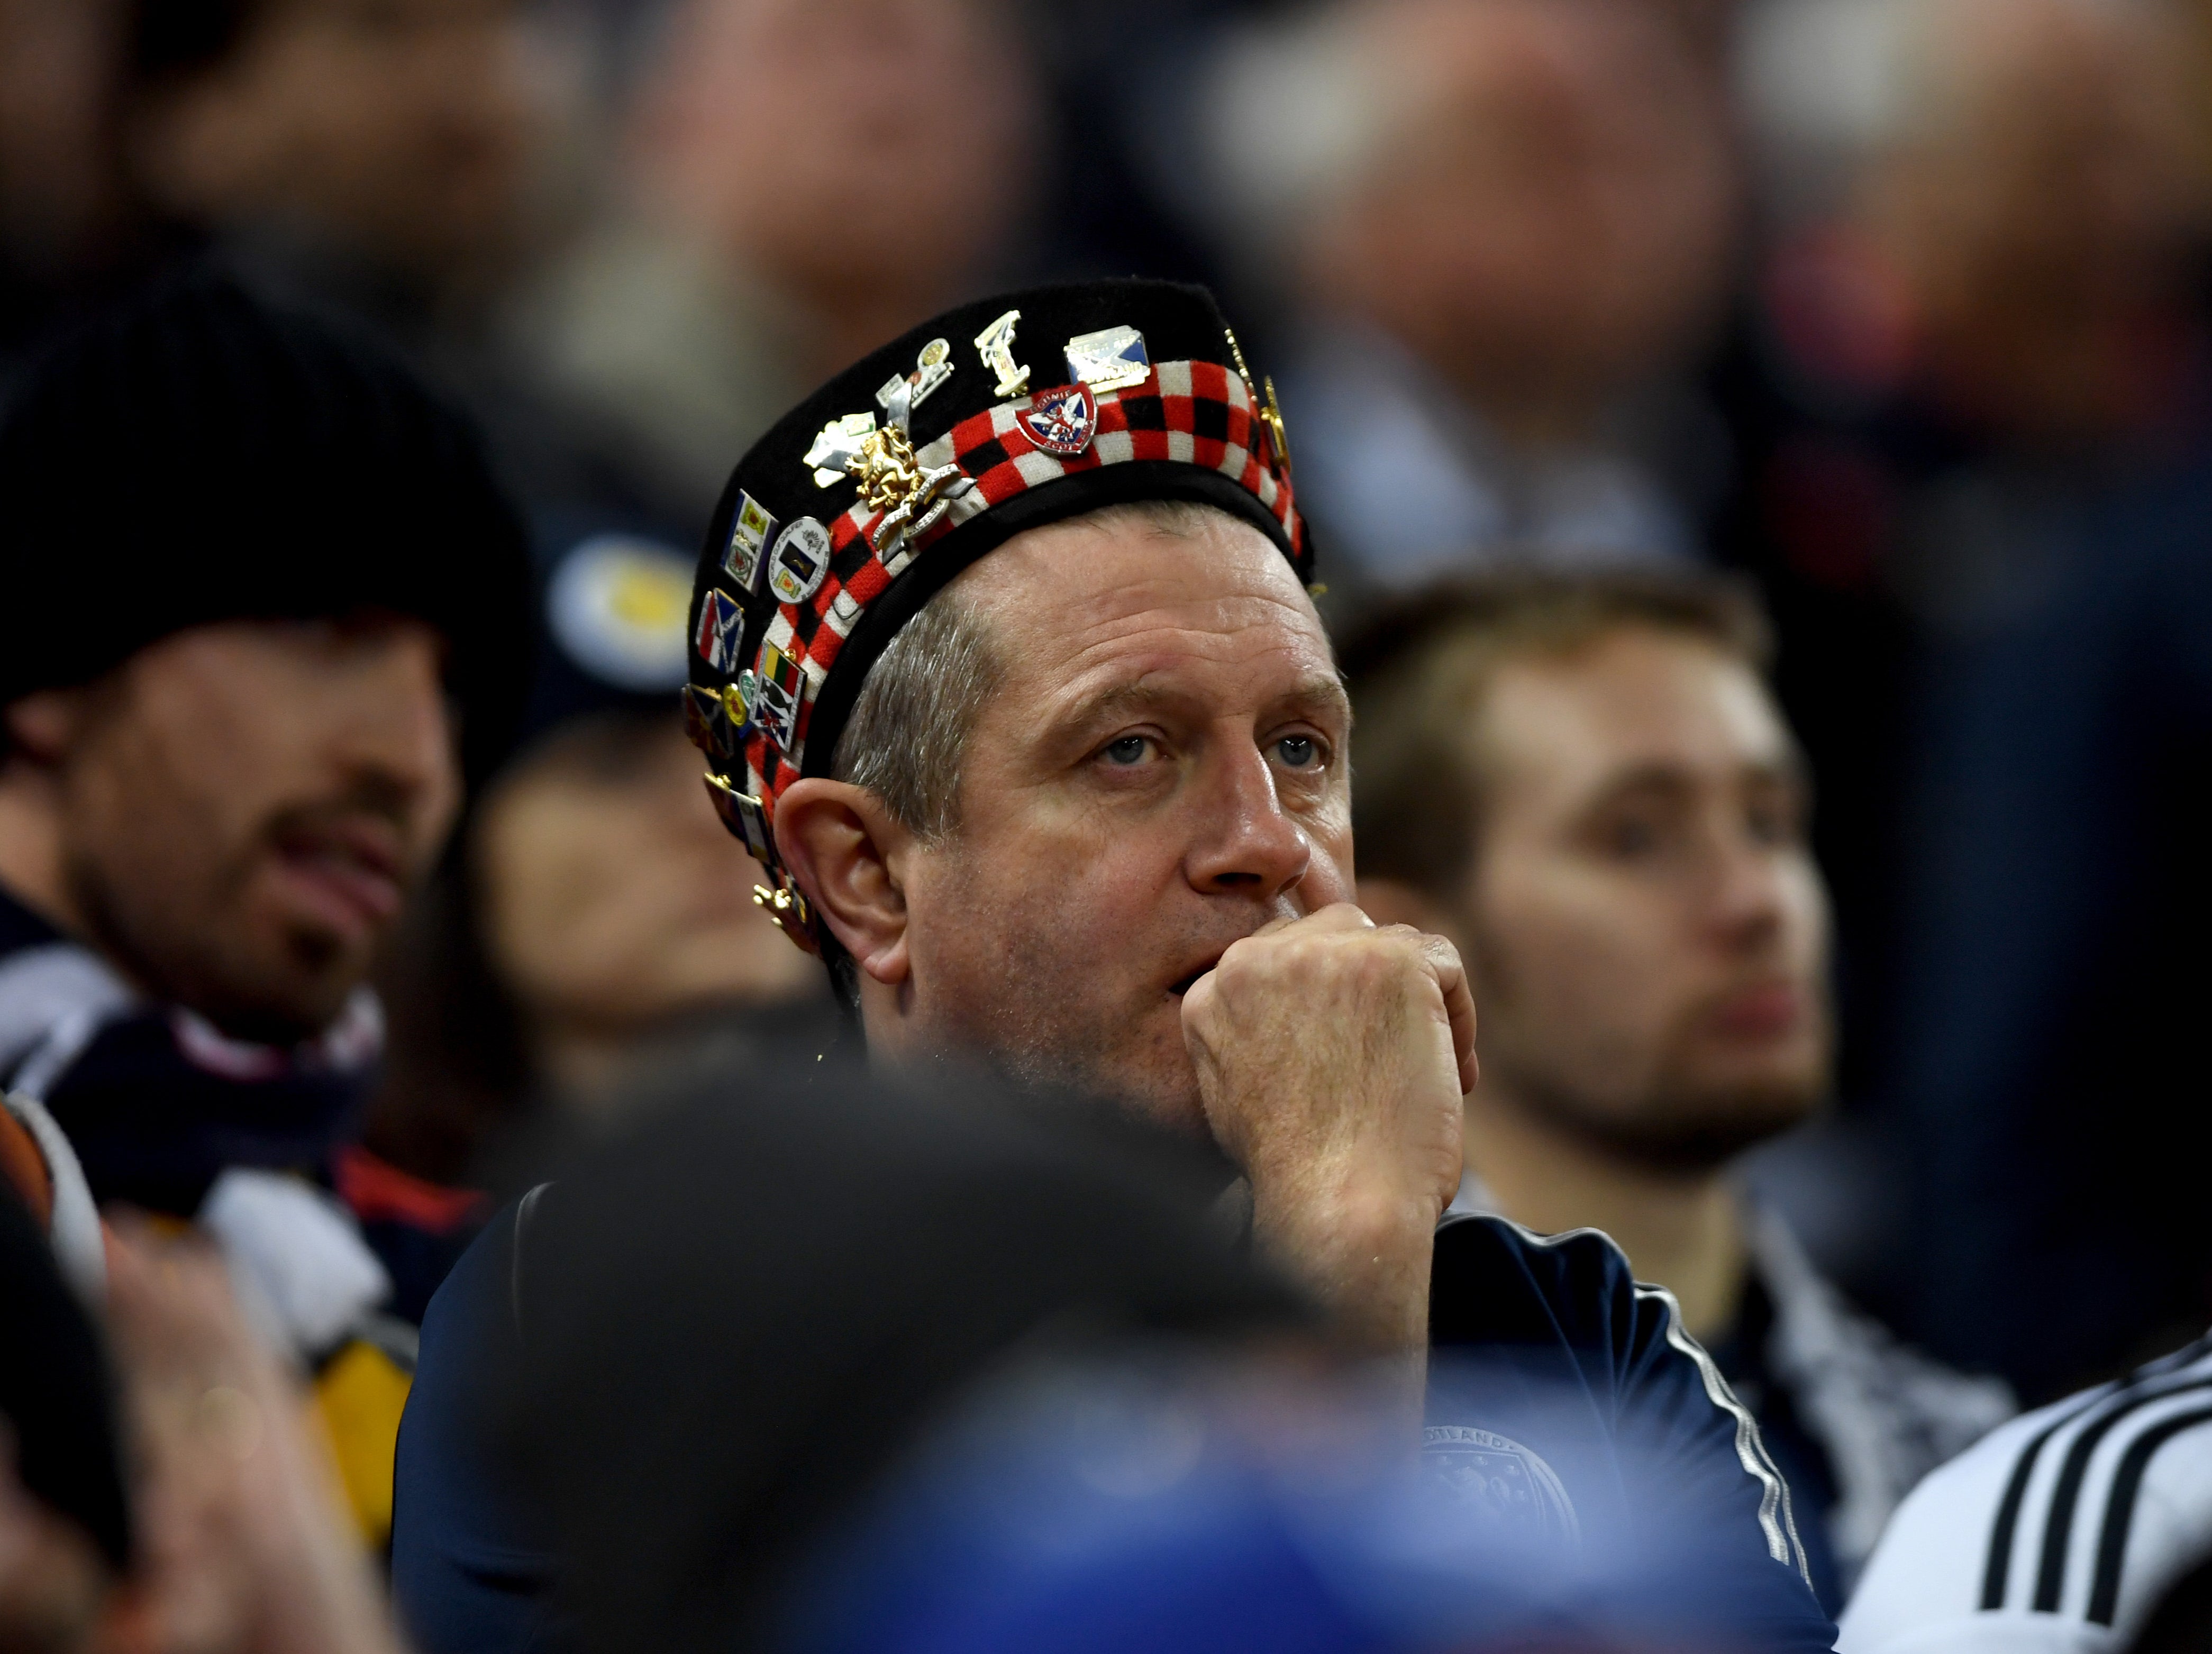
[1251, 846]
[1749, 904]
[401, 742]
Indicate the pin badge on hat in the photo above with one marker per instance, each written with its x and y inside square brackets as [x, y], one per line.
[996, 342]
[721, 630]
[1061, 421]
[773, 705]
[835, 445]
[931, 370]
[708, 720]
[801, 560]
[749, 537]
[742, 814]
[1112, 359]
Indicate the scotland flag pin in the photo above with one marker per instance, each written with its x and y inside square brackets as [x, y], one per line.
[1061, 421]
[1112, 359]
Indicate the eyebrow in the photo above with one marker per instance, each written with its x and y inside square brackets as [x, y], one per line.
[1788, 769]
[1322, 689]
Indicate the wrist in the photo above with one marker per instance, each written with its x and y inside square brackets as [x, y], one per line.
[1359, 1240]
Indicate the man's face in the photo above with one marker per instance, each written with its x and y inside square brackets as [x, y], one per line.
[243, 807]
[1164, 770]
[1649, 932]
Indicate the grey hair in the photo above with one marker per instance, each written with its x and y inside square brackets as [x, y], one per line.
[908, 730]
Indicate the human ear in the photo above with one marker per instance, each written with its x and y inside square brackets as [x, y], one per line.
[841, 848]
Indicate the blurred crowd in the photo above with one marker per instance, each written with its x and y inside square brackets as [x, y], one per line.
[1819, 391]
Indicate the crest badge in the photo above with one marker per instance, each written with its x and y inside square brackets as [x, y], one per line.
[773, 704]
[1061, 421]
[749, 537]
[801, 559]
[721, 630]
[1506, 1483]
[1112, 359]
[996, 342]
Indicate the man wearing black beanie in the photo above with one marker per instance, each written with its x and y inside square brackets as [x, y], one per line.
[262, 608]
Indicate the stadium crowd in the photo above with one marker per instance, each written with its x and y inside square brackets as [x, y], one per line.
[1318, 825]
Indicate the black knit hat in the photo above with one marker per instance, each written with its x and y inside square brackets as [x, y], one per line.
[200, 454]
[869, 498]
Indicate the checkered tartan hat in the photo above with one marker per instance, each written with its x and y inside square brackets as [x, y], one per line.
[813, 564]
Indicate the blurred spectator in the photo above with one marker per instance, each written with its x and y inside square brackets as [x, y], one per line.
[1583, 784]
[384, 147]
[259, 582]
[2083, 1527]
[1504, 226]
[66, 218]
[589, 913]
[64, 1519]
[178, 1501]
[782, 208]
[1979, 494]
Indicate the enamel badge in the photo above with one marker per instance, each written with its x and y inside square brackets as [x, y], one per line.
[742, 814]
[801, 560]
[931, 370]
[996, 342]
[1112, 359]
[721, 630]
[749, 538]
[707, 721]
[774, 706]
[836, 444]
[1061, 421]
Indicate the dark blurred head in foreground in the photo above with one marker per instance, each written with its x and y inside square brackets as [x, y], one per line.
[894, 1369]
[711, 1388]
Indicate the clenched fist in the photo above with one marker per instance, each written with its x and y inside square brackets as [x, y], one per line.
[1332, 1059]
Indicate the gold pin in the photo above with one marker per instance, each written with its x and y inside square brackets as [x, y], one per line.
[1268, 411]
[996, 342]
[788, 909]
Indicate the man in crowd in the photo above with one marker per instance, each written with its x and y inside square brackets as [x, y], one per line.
[260, 591]
[1505, 228]
[1584, 782]
[2085, 1527]
[1006, 668]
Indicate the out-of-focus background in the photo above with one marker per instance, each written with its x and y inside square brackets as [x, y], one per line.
[1898, 306]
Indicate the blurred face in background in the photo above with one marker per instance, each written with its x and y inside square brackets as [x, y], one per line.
[58, 184]
[1549, 215]
[242, 808]
[865, 158]
[1648, 931]
[2037, 210]
[403, 130]
[612, 904]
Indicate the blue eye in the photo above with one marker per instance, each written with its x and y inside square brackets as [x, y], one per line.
[1129, 749]
[1298, 751]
